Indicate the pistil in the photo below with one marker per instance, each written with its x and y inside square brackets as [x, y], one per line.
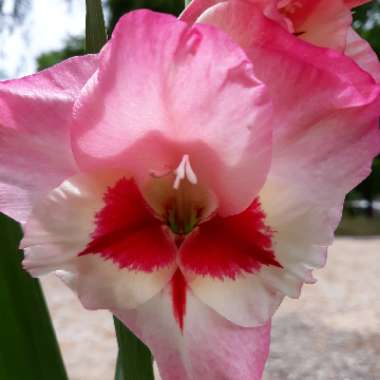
[183, 214]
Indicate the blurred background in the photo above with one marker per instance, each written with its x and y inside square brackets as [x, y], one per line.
[332, 333]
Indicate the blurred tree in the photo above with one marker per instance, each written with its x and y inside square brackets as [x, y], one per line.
[12, 13]
[15, 20]
[116, 8]
[74, 46]
[119, 7]
[367, 23]
[2, 75]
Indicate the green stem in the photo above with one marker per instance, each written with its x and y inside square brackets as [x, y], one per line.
[134, 360]
[96, 34]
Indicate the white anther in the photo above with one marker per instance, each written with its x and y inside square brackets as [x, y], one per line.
[184, 170]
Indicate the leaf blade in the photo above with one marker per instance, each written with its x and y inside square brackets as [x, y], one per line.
[134, 360]
[29, 348]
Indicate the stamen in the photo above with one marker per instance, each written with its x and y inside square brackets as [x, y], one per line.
[184, 170]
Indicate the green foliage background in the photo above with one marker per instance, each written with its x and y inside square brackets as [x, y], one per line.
[367, 23]
[116, 8]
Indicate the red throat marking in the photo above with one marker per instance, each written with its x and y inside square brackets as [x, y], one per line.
[128, 233]
[178, 292]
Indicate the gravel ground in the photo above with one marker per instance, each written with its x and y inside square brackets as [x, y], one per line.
[331, 333]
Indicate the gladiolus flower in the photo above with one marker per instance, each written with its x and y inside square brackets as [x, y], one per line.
[157, 182]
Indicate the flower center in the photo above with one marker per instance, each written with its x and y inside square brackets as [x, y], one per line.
[184, 208]
[179, 199]
[182, 214]
[184, 171]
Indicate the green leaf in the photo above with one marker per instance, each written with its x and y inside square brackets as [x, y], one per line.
[119, 375]
[28, 346]
[134, 360]
[187, 2]
[96, 34]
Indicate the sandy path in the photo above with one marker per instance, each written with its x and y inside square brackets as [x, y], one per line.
[331, 333]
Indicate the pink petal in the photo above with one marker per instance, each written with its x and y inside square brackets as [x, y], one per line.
[324, 23]
[209, 347]
[194, 10]
[307, 211]
[361, 52]
[324, 140]
[35, 153]
[63, 224]
[321, 70]
[165, 90]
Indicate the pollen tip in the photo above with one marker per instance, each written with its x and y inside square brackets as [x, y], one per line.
[184, 170]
